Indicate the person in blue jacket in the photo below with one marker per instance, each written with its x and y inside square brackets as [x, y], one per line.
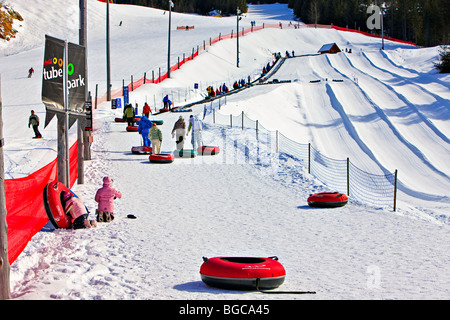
[166, 101]
[144, 128]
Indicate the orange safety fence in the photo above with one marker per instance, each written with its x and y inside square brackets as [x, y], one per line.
[116, 93]
[373, 35]
[25, 203]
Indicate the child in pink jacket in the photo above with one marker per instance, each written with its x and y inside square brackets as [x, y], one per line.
[75, 208]
[105, 197]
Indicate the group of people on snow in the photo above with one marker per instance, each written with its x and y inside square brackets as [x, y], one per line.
[179, 131]
[105, 196]
[152, 135]
[222, 89]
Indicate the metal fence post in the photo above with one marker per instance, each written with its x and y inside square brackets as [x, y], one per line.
[309, 157]
[276, 141]
[348, 176]
[395, 190]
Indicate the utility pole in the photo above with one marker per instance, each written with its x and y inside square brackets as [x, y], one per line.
[66, 116]
[238, 12]
[382, 29]
[81, 124]
[168, 46]
[5, 291]
[108, 58]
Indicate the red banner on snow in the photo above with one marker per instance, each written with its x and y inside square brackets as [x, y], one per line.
[25, 203]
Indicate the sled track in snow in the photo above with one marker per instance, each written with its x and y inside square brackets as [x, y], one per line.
[369, 113]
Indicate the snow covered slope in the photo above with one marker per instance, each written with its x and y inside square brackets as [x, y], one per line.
[390, 112]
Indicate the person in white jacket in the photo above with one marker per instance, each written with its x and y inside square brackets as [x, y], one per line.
[196, 125]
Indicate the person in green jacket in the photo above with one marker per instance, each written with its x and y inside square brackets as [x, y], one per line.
[155, 136]
[128, 114]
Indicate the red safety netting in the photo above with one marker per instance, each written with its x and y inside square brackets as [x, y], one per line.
[373, 35]
[25, 203]
[116, 93]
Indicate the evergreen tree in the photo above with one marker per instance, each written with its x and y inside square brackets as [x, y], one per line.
[444, 64]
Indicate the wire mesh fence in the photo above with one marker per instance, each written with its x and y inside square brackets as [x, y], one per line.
[341, 175]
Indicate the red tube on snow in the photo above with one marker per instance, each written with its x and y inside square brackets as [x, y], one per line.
[161, 158]
[208, 150]
[327, 200]
[141, 150]
[242, 273]
[132, 128]
[53, 203]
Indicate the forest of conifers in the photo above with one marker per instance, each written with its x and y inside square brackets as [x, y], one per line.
[425, 22]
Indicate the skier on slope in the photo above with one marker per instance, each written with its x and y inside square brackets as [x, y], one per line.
[34, 121]
[30, 72]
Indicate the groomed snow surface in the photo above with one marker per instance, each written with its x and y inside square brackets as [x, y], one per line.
[392, 111]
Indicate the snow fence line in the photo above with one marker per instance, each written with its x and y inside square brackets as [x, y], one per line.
[373, 189]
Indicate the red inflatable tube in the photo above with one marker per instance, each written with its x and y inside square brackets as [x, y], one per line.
[327, 200]
[53, 203]
[125, 120]
[208, 150]
[132, 128]
[242, 273]
[161, 158]
[141, 150]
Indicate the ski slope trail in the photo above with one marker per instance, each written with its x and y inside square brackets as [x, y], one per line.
[429, 100]
[360, 120]
[401, 128]
[403, 109]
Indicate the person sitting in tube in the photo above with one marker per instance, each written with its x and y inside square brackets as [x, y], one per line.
[77, 211]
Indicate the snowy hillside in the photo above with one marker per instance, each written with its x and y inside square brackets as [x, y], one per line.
[391, 111]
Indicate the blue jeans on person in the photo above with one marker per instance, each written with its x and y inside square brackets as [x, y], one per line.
[147, 142]
[196, 139]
